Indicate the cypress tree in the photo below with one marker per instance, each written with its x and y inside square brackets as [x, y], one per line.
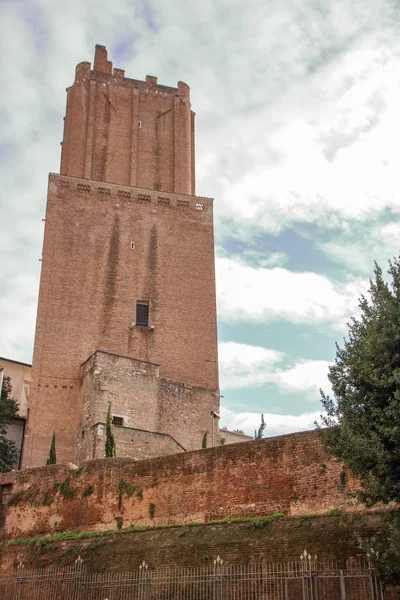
[111, 446]
[52, 454]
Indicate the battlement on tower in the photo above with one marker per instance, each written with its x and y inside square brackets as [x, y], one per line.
[126, 131]
[104, 72]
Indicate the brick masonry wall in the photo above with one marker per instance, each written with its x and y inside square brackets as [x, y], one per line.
[144, 401]
[328, 537]
[290, 473]
[90, 283]
[120, 130]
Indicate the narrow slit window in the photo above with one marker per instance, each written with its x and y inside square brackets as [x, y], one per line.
[142, 313]
[118, 421]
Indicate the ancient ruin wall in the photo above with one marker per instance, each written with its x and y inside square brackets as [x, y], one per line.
[291, 474]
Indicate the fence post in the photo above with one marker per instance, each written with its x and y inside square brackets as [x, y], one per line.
[306, 567]
[19, 580]
[76, 581]
[342, 586]
[218, 562]
[142, 581]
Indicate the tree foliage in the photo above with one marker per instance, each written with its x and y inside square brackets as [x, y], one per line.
[111, 446]
[363, 416]
[258, 434]
[8, 411]
[52, 460]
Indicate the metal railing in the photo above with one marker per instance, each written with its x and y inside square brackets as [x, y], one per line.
[306, 579]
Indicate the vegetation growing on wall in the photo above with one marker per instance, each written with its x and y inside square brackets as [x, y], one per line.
[124, 488]
[65, 490]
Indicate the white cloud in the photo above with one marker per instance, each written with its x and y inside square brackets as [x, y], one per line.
[276, 424]
[246, 366]
[307, 376]
[358, 249]
[243, 365]
[259, 294]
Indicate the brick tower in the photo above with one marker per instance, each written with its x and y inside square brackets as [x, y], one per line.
[127, 310]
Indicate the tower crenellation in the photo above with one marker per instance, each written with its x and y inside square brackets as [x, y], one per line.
[126, 131]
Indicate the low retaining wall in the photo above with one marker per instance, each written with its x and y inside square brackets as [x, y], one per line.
[291, 474]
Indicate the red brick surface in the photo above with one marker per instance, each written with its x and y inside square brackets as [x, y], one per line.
[135, 133]
[237, 543]
[122, 226]
[144, 400]
[291, 474]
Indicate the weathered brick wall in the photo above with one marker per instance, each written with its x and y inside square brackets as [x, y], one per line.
[120, 130]
[328, 537]
[290, 473]
[90, 283]
[231, 437]
[140, 444]
[144, 401]
[122, 226]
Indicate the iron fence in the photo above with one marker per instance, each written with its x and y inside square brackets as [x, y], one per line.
[306, 579]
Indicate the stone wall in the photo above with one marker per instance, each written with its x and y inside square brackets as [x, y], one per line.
[137, 444]
[143, 400]
[290, 474]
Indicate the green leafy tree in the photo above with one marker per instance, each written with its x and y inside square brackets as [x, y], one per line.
[258, 434]
[111, 446]
[238, 431]
[363, 416]
[8, 411]
[52, 460]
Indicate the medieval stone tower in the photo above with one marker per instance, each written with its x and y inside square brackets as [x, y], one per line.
[127, 310]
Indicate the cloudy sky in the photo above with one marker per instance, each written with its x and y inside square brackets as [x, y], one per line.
[297, 129]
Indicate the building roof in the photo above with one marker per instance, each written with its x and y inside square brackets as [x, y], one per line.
[17, 362]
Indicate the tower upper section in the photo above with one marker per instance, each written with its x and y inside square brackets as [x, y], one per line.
[128, 132]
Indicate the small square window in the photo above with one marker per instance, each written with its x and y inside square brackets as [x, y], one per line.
[118, 421]
[142, 313]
